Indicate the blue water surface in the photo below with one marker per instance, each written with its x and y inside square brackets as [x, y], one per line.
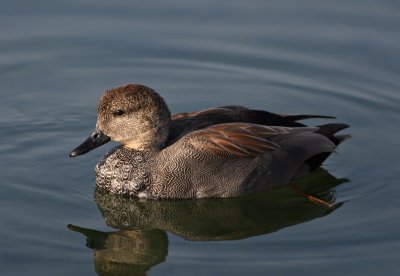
[337, 58]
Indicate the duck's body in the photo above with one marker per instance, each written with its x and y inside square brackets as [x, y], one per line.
[220, 152]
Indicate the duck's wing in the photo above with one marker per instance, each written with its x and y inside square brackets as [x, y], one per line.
[183, 123]
[251, 140]
[237, 139]
[238, 158]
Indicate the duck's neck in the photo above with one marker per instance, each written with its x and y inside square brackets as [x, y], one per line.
[153, 140]
[138, 145]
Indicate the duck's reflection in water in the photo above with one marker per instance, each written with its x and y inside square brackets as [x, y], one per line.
[125, 252]
[142, 241]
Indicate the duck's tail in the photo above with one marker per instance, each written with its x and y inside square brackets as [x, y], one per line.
[295, 118]
[271, 119]
[329, 130]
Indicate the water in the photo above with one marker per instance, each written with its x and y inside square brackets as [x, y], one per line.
[337, 58]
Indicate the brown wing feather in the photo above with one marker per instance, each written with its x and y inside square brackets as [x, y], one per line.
[228, 146]
[239, 139]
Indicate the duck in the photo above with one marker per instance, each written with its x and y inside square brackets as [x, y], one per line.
[226, 151]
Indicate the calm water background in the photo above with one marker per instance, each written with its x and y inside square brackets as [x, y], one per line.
[338, 58]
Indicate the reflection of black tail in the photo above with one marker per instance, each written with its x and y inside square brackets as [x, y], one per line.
[328, 130]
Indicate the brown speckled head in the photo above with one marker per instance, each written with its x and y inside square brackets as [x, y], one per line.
[134, 115]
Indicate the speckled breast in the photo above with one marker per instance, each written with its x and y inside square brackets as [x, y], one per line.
[123, 171]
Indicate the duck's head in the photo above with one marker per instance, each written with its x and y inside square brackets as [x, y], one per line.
[134, 115]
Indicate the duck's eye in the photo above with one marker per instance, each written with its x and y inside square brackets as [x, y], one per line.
[118, 112]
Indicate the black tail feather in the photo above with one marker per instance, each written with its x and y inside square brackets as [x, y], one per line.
[329, 129]
[304, 117]
[337, 139]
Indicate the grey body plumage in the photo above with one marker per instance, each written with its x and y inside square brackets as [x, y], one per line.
[221, 152]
